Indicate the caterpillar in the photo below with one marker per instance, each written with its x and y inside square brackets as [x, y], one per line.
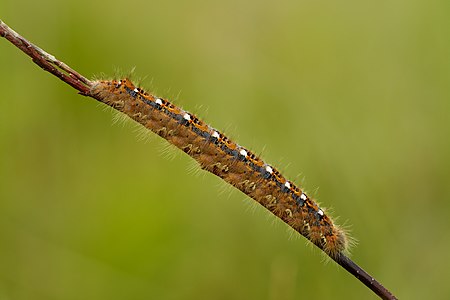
[224, 158]
[215, 153]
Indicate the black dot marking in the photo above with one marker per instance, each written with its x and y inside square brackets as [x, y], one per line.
[299, 201]
[206, 135]
[279, 184]
[197, 131]
[179, 118]
[241, 157]
[266, 174]
[131, 92]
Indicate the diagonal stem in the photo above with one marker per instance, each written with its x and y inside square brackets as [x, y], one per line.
[50, 64]
[364, 277]
[47, 61]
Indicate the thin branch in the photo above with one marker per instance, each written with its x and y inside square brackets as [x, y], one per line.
[50, 64]
[47, 61]
[364, 277]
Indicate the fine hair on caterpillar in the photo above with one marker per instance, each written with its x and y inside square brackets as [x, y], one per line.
[218, 154]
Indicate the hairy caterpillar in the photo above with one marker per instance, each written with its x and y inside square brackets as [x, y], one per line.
[215, 153]
[221, 156]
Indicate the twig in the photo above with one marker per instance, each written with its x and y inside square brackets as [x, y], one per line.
[49, 63]
[364, 277]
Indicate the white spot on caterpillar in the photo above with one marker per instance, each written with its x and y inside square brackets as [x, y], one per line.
[303, 196]
[243, 153]
[320, 212]
[158, 101]
[215, 134]
[186, 116]
[269, 169]
[287, 184]
[136, 90]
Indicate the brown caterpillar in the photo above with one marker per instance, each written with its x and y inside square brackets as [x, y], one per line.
[221, 156]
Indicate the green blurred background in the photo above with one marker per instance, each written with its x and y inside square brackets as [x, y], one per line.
[349, 96]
